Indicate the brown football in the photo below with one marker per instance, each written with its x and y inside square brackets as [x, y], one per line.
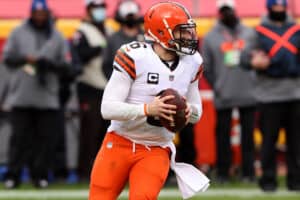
[179, 117]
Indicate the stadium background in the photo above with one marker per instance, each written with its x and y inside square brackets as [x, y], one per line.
[69, 12]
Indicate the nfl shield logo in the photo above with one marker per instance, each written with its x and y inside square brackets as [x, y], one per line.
[171, 78]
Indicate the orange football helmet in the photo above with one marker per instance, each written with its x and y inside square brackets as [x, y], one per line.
[171, 25]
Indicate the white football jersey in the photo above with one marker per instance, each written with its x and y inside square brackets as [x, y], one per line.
[150, 75]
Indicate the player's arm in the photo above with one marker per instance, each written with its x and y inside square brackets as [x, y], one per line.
[11, 56]
[193, 98]
[114, 105]
[194, 103]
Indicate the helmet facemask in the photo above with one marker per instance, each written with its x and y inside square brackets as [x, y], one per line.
[185, 40]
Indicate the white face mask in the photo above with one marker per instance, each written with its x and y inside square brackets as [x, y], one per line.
[98, 14]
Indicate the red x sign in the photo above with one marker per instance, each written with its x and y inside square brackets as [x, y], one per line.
[281, 41]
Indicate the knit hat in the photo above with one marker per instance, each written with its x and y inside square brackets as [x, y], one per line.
[95, 2]
[271, 3]
[39, 5]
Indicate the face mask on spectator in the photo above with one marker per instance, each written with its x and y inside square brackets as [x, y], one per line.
[128, 13]
[131, 21]
[40, 19]
[277, 16]
[228, 17]
[98, 14]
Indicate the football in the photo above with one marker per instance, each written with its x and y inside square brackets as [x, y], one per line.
[179, 118]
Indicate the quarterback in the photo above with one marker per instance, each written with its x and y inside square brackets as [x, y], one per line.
[137, 149]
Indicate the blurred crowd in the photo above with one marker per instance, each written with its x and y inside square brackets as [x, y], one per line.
[50, 96]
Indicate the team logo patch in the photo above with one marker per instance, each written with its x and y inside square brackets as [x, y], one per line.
[109, 145]
[153, 78]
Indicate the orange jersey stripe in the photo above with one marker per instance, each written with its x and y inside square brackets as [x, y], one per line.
[124, 62]
[127, 59]
[125, 67]
[199, 74]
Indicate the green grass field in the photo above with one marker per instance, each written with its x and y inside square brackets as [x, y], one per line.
[166, 194]
[232, 191]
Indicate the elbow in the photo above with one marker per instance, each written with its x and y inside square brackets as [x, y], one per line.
[104, 115]
[64, 69]
[6, 61]
[13, 63]
[105, 111]
[9, 64]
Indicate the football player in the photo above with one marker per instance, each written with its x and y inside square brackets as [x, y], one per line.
[136, 149]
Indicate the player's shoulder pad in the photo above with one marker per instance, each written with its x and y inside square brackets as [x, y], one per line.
[197, 59]
[194, 60]
[136, 50]
[128, 55]
[197, 63]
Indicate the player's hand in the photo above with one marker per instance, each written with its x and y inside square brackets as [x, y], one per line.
[30, 59]
[158, 108]
[260, 60]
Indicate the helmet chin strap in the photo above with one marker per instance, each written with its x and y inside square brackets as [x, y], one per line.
[180, 53]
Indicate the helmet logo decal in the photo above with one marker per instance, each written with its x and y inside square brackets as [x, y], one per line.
[191, 21]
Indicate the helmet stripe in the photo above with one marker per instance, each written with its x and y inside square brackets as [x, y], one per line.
[168, 27]
[183, 8]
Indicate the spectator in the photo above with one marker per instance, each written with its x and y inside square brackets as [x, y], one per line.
[4, 121]
[233, 88]
[36, 53]
[275, 58]
[88, 43]
[128, 14]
